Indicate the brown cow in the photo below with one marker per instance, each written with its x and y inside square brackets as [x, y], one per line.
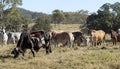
[114, 36]
[62, 37]
[98, 36]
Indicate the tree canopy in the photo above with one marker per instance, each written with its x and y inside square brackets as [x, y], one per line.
[9, 14]
[106, 18]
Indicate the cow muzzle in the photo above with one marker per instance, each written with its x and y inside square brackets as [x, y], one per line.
[15, 51]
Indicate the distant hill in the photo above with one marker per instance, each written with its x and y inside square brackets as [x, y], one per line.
[27, 12]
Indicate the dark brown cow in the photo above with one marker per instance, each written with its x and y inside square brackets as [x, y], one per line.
[114, 36]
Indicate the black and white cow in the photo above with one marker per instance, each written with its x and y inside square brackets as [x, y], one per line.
[33, 43]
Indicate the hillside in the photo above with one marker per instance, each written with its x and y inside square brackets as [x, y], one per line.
[30, 13]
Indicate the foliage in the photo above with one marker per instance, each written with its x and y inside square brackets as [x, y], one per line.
[42, 23]
[106, 18]
[58, 16]
[26, 20]
[75, 17]
[9, 14]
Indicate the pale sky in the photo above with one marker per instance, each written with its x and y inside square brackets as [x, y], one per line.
[47, 6]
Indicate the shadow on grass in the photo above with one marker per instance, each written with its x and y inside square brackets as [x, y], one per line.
[108, 40]
[5, 56]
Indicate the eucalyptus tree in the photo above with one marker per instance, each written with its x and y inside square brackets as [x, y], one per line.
[58, 16]
[9, 14]
[26, 20]
[42, 23]
[103, 19]
[116, 11]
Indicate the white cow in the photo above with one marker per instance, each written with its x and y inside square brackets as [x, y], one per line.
[13, 36]
[3, 36]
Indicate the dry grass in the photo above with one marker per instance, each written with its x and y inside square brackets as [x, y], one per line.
[63, 58]
[66, 27]
[84, 57]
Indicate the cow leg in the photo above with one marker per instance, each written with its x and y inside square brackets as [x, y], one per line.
[114, 41]
[50, 49]
[13, 40]
[78, 43]
[56, 44]
[33, 52]
[96, 41]
[47, 50]
[23, 53]
[71, 43]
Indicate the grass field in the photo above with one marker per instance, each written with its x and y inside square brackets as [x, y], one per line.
[83, 57]
[66, 27]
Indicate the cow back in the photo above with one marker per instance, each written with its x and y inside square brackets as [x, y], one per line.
[61, 37]
[98, 35]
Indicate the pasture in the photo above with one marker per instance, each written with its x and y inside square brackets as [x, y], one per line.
[106, 56]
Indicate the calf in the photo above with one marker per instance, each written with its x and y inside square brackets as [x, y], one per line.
[77, 37]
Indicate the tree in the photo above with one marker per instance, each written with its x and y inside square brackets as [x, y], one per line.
[42, 23]
[58, 16]
[102, 20]
[83, 17]
[9, 12]
[116, 11]
[26, 20]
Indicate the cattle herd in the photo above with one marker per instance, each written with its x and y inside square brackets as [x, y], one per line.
[44, 39]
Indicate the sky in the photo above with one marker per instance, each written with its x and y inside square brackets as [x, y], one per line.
[47, 6]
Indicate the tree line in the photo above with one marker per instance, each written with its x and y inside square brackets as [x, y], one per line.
[13, 18]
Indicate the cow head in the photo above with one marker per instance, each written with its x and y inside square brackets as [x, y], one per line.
[38, 43]
[16, 52]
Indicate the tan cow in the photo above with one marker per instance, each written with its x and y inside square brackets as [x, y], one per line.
[98, 36]
[62, 37]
